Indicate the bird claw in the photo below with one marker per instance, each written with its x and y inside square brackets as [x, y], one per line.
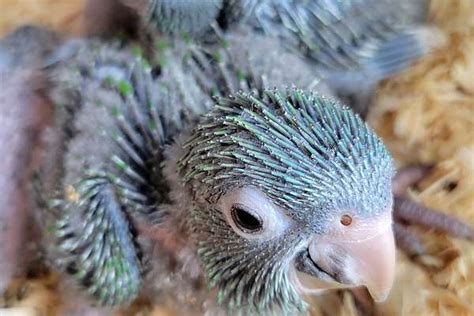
[407, 241]
[409, 176]
[408, 212]
[413, 213]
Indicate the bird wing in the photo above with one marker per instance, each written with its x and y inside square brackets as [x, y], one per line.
[95, 243]
[102, 169]
[91, 178]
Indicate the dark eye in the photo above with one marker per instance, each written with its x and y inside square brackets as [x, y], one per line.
[244, 220]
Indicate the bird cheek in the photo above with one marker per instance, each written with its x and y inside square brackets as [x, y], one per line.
[329, 258]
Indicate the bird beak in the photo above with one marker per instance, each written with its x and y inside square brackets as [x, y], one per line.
[359, 256]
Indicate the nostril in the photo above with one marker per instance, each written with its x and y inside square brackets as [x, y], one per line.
[346, 220]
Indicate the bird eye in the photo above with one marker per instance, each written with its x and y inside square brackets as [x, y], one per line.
[244, 220]
[346, 220]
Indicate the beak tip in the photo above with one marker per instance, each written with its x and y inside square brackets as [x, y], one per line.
[383, 276]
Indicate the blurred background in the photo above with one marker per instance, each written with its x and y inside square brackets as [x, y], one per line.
[425, 115]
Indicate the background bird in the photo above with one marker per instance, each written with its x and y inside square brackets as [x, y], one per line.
[352, 44]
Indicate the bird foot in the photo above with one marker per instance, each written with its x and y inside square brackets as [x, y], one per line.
[408, 212]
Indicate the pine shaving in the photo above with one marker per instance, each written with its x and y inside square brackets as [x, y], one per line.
[63, 15]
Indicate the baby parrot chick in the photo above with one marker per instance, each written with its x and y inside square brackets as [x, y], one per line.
[265, 194]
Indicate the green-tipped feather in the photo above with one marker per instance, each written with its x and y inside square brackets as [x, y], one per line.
[343, 35]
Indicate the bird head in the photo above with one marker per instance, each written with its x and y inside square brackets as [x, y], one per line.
[177, 17]
[190, 17]
[291, 195]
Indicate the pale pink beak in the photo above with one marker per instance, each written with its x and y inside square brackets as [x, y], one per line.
[361, 255]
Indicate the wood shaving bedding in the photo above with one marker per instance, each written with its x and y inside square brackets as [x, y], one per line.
[62, 15]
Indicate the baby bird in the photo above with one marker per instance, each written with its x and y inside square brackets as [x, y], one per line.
[205, 187]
